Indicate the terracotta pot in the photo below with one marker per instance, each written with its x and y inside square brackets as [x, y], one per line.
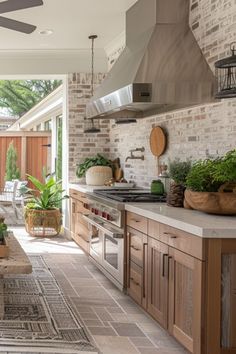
[211, 202]
[98, 175]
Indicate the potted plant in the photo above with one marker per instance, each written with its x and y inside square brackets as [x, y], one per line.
[95, 169]
[178, 171]
[4, 249]
[42, 212]
[211, 185]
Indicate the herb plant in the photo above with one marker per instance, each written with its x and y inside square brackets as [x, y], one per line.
[178, 171]
[225, 168]
[3, 231]
[97, 160]
[208, 175]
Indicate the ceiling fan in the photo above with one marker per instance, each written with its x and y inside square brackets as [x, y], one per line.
[14, 5]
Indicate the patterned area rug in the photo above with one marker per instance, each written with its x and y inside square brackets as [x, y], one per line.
[37, 317]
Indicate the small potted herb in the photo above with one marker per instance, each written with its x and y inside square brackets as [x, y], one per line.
[3, 231]
[178, 171]
[95, 169]
[211, 185]
[4, 248]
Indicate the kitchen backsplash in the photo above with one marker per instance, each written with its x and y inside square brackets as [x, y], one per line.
[195, 133]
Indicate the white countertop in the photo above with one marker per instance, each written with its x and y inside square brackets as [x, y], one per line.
[84, 188]
[192, 221]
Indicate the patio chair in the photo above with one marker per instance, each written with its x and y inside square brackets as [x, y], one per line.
[11, 197]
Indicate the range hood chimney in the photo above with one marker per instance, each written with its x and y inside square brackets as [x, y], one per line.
[161, 68]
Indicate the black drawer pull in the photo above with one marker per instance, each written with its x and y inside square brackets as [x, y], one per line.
[135, 248]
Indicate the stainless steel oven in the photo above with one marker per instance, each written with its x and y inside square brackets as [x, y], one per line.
[107, 248]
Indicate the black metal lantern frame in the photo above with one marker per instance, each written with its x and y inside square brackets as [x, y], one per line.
[91, 124]
[226, 75]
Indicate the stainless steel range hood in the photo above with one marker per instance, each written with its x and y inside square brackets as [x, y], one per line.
[161, 68]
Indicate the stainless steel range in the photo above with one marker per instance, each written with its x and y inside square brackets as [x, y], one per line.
[106, 223]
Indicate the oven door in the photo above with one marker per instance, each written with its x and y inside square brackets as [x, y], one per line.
[107, 247]
[96, 243]
[113, 256]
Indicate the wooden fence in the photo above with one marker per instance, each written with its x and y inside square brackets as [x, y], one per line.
[33, 151]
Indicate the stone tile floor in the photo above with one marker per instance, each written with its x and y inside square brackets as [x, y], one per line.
[116, 324]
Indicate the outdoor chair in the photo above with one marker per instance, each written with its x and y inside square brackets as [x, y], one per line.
[11, 197]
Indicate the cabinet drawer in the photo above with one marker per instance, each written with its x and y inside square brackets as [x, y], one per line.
[80, 208]
[136, 250]
[137, 222]
[78, 195]
[154, 229]
[135, 282]
[183, 241]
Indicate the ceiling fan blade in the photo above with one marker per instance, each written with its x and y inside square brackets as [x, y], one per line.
[13, 5]
[16, 25]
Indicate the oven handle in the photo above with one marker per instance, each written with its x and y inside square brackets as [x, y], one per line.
[113, 234]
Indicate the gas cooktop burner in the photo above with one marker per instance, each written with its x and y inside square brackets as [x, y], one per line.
[131, 195]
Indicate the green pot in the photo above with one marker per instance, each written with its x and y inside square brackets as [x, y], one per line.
[157, 187]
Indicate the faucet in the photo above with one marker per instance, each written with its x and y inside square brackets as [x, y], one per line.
[132, 157]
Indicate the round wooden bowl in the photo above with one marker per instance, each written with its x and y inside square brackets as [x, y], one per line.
[211, 202]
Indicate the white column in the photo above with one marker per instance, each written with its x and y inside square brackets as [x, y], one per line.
[53, 144]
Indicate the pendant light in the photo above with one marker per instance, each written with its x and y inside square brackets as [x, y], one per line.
[226, 75]
[91, 127]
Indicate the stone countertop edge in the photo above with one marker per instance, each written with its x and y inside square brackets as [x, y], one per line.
[192, 221]
[84, 188]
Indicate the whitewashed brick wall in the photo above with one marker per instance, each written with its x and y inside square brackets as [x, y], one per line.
[83, 145]
[208, 130]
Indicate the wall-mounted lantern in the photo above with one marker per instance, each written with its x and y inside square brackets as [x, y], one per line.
[226, 75]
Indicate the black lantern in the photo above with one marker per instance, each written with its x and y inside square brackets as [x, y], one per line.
[90, 126]
[226, 75]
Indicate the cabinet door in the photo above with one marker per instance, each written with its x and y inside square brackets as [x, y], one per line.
[78, 226]
[72, 215]
[185, 299]
[157, 282]
[136, 266]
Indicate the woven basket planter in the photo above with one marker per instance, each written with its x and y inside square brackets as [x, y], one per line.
[43, 223]
[211, 202]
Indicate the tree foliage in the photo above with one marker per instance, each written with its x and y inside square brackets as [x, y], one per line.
[12, 171]
[19, 96]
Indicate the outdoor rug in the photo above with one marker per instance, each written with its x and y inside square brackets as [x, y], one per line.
[37, 317]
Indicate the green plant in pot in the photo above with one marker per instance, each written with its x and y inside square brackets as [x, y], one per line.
[178, 171]
[3, 231]
[42, 212]
[95, 169]
[211, 185]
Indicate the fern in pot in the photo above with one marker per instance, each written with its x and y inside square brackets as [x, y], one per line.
[211, 185]
[178, 171]
[96, 170]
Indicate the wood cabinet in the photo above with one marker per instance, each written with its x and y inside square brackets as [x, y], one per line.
[185, 300]
[78, 226]
[157, 285]
[187, 283]
[136, 271]
[170, 274]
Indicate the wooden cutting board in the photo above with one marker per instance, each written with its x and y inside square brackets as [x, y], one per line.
[157, 141]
